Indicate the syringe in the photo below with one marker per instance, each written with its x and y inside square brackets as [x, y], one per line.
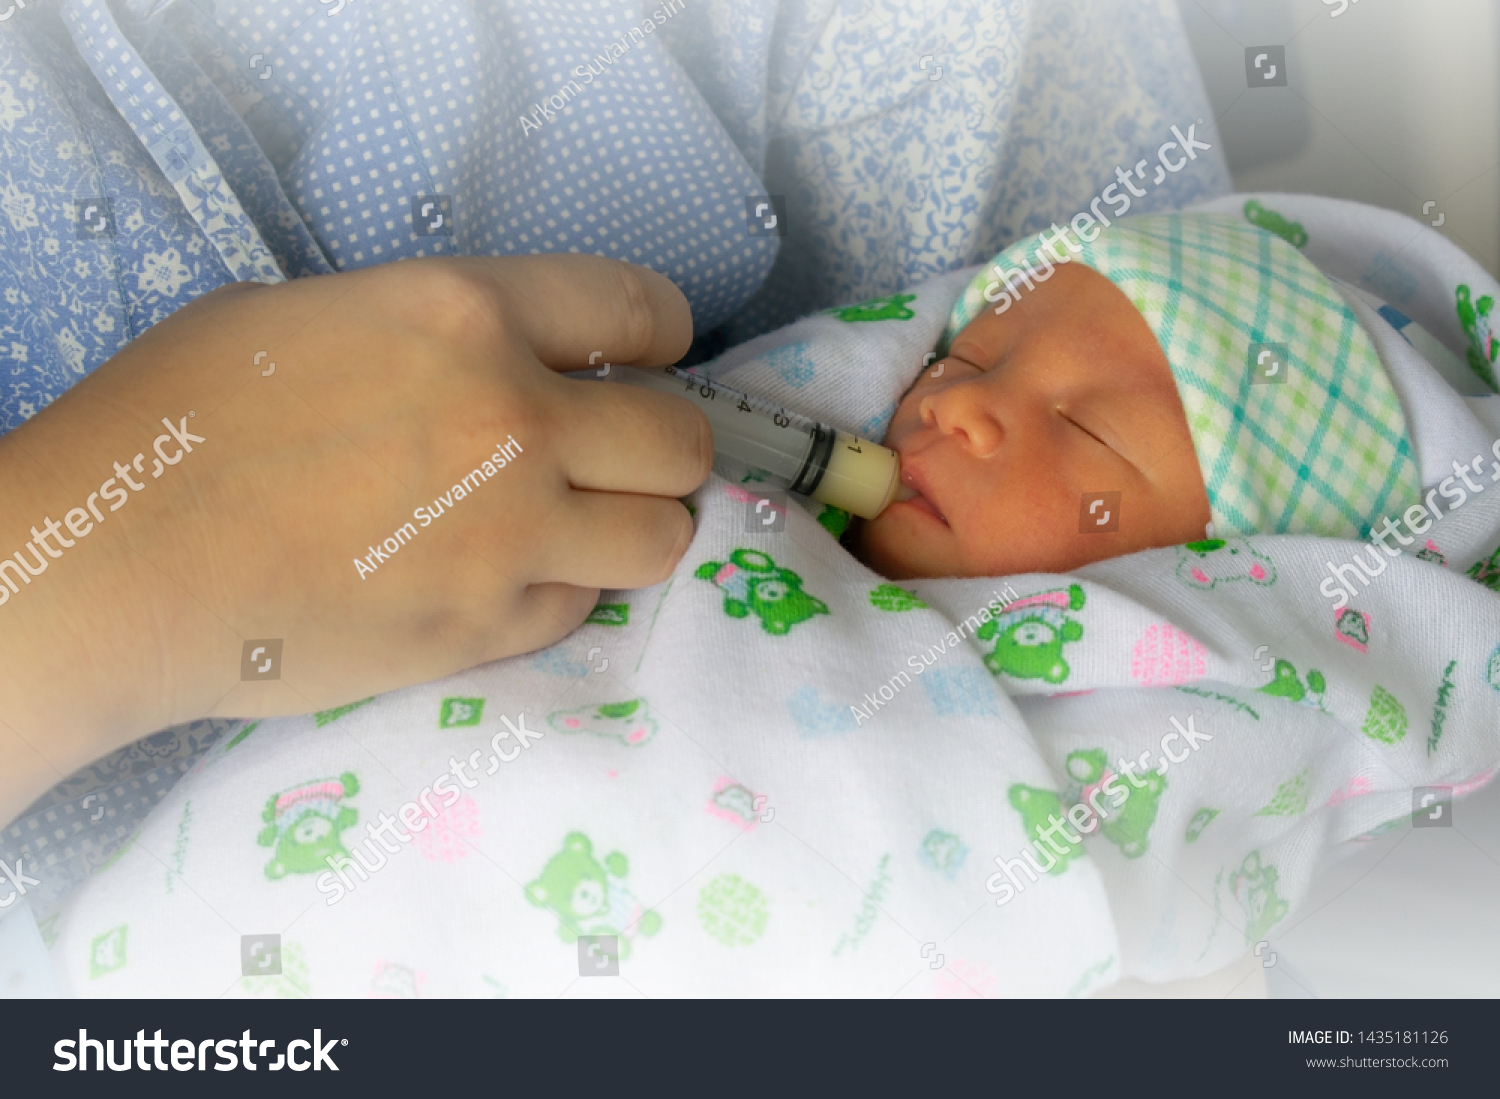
[804, 456]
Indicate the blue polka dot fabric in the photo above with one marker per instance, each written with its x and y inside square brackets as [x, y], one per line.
[771, 157]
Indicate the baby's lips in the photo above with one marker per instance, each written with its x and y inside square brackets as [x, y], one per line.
[905, 492]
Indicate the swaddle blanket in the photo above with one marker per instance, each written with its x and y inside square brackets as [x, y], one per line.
[778, 773]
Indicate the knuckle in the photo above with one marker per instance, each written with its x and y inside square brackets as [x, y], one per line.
[677, 548]
[683, 433]
[701, 449]
[448, 632]
[637, 321]
[568, 606]
[446, 301]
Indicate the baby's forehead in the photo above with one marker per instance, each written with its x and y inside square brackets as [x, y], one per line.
[1110, 356]
[1077, 314]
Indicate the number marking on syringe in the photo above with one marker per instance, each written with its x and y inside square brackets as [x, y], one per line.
[710, 392]
[706, 390]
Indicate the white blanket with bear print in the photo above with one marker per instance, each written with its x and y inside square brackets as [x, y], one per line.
[779, 774]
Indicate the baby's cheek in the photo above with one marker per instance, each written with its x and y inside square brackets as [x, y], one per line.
[906, 418]
[1032, 524]
[889, 548]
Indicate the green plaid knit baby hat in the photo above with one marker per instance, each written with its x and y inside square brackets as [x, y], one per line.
[1324, 450]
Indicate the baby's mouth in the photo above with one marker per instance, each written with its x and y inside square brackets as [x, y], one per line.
[908, 495]
[921, 503]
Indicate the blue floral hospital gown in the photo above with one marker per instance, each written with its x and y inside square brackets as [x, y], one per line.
[151, 150]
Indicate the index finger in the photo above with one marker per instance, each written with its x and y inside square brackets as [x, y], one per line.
[567, 307]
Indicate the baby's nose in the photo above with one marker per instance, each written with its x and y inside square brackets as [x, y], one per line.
[965, 410]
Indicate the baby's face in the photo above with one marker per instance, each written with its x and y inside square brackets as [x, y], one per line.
[1064, 396]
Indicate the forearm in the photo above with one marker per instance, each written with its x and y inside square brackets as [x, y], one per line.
[95, 639]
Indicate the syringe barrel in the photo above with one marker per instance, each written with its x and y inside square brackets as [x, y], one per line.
[804, 455]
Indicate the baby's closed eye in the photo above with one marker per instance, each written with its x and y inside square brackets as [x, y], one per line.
[1075, 421]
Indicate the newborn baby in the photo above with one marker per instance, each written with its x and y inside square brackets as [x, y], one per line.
[1066, 393]
[1076, 387]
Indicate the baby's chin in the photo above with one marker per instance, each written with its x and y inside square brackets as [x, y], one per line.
[898, 553]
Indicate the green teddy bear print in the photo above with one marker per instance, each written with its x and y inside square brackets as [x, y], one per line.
[834, 520]
[752, 583]
[1128, 824]
[1215, 561]
[305, 824]
[1030, 633]
[1487, 571]
[943, 851]
[1285, 683]
[1430, 552]
[1201, 820]
[889, 597]
[107, 953]
[1290, 231]
[1254, 886]
[1484, 345]
[589, 897]
[889, 308]
[1038, 809]
[630, 721]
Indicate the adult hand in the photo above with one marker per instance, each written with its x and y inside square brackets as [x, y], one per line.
[388, 387]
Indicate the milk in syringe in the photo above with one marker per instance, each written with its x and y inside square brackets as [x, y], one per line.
[803, 455]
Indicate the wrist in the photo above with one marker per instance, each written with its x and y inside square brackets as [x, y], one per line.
[97, 646]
